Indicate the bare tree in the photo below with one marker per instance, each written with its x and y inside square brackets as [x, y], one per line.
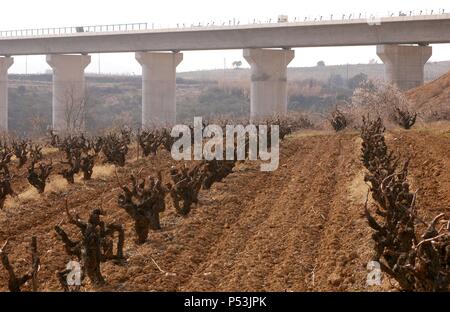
[416, 262]
[237, 64]
[38, 177]
[74, 110]
[16, 282]
[404, 118]
[115, 148]
[143, 202]
[186, 186]
[20, 150]
[5, 175]
[338, 120]
[381, 99]
[95, 246]
[38, 125]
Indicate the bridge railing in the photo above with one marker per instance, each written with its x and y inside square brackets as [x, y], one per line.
[335, 18]
[57, 31]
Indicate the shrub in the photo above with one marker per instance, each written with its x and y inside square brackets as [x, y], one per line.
[416, 262]
[380, 99]
[404, 118]
[338, 120]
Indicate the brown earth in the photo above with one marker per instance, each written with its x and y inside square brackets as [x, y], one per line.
[299, 228]
[434, 95]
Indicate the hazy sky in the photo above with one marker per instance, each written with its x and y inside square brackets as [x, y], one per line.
[19, 14]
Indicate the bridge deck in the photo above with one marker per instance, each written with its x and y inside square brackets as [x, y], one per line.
[345, 32]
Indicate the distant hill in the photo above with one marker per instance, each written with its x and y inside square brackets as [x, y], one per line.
[322, 73]
[433, 71]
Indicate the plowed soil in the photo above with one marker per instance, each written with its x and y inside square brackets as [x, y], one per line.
[299, 228]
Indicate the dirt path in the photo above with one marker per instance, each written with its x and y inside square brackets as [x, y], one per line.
[429, 153]
[275, 242]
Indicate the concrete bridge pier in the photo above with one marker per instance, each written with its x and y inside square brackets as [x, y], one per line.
[268, 93]
[158, 87]
[404, 64]
[69, 94]
[5, 64]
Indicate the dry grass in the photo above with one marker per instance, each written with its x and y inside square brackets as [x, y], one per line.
[49, 150]
[310, 133]
[57, 184]
[29, 195]
[357, 189]
[103, 171]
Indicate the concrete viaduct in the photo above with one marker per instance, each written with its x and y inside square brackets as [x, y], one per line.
[401, 42]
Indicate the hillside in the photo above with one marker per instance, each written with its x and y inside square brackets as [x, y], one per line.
[300, 228]
[432, 95]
